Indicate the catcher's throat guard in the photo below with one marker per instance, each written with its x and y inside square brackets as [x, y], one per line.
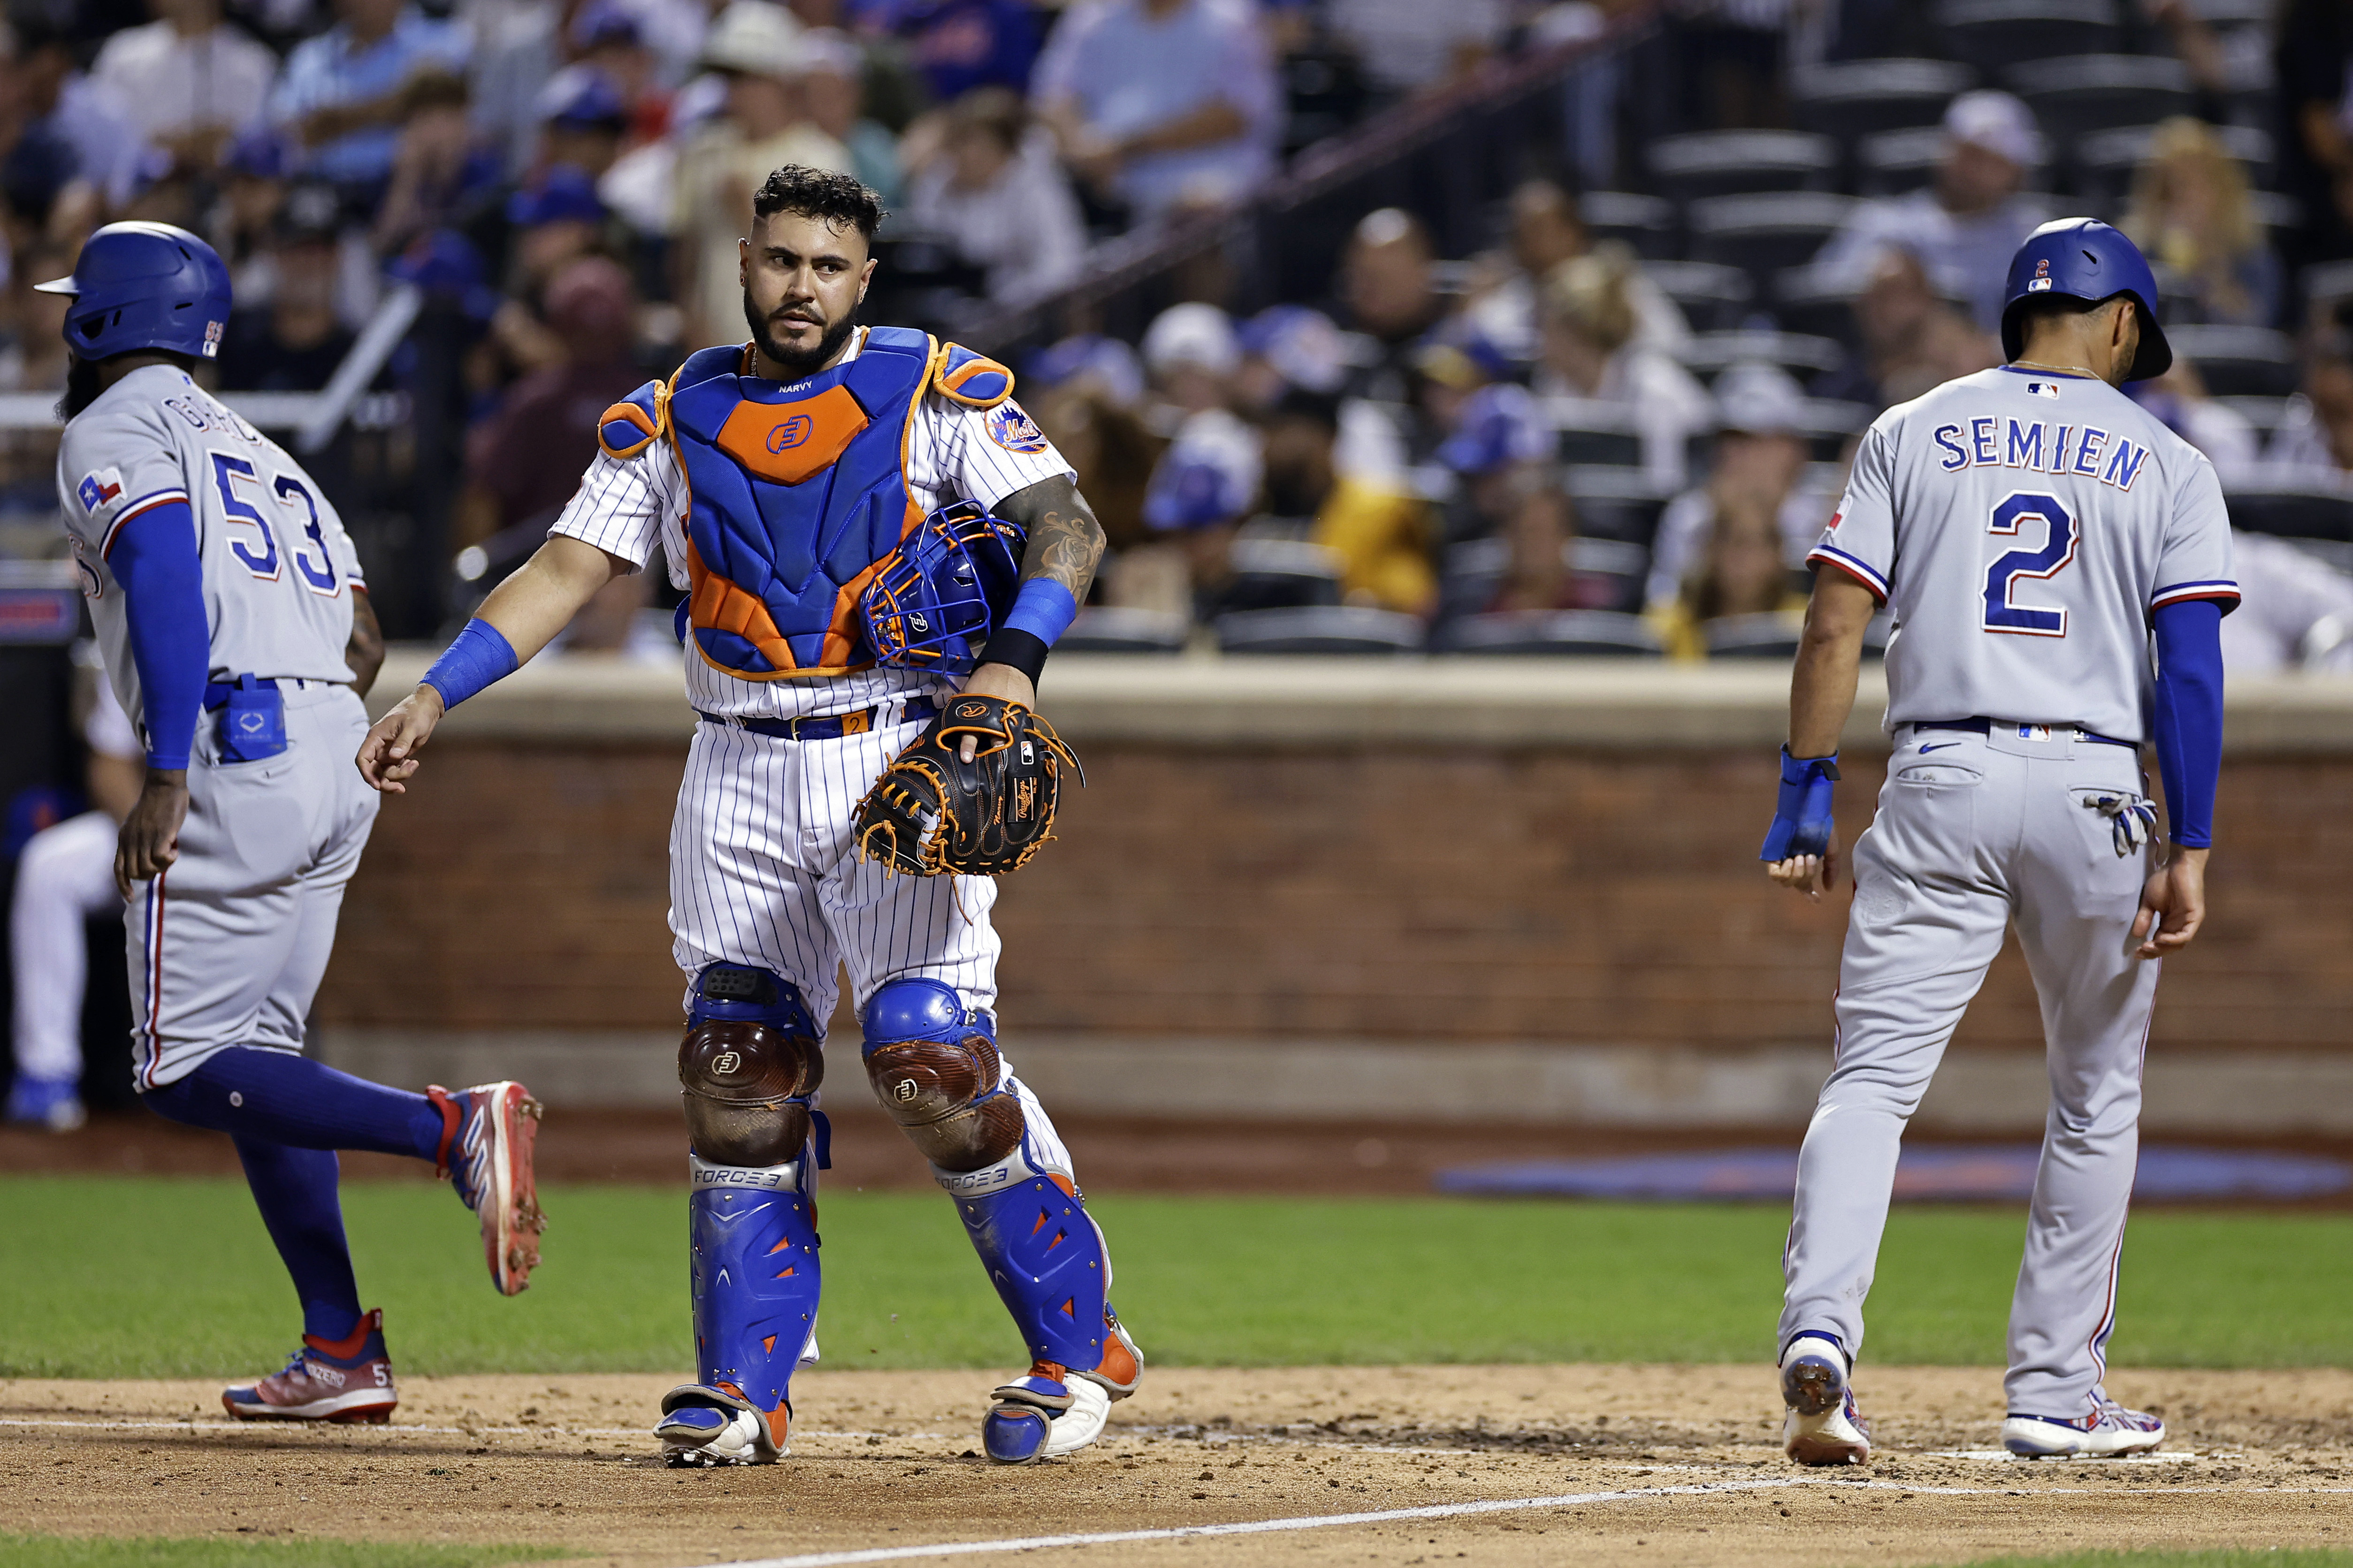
[932, 603]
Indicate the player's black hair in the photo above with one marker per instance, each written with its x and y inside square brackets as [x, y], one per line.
[82, 384]
[820, 193]
[1319, 408]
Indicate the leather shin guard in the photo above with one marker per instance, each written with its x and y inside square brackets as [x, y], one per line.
[934, 1067]
[755, 1277]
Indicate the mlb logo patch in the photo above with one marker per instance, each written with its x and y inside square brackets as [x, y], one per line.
[99, 491]
[1014, 430]
[2043, 389]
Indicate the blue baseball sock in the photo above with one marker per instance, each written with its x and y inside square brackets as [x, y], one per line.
[295, 1190]
[282, 1097]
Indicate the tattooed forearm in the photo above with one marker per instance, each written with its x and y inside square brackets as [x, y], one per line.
[1065, 540]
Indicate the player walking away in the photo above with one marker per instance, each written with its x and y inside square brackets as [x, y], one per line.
[782, 477]
[2031, 531]
[236, 630]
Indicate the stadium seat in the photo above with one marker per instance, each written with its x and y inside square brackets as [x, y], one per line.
[1592, 633]
[1709, 354]
[1828, 423]
[1701, 163]
[1991, 33]
[1592, 431]
[1894, 162]
[2103, 161]
[1103, 629]
[1474, 570]
[2291, 512]
[1711, 296]
[1646, 223]
[2079, 94]
[1769, 635]
[2265, 414]
[1282, 574]
[2238, 362]
[2327, 284]
[1810, 304]
[1320, 628]
[1614, 502]
[1765, 235]
[1855, 97]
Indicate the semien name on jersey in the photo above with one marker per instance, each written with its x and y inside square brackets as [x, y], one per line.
[1994, 442]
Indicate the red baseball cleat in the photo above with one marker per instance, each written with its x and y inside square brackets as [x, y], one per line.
[328, 1380]
[488, 1133]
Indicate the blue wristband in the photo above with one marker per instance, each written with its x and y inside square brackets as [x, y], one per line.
[1801, 816]
[1043, 608]
[480, 656]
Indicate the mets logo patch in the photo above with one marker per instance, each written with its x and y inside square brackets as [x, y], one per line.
[1014, 430]
[99, 491]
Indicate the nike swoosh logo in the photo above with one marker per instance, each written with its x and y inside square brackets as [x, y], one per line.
[1937, 747]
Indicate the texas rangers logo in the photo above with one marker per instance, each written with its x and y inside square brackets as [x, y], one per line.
[2040, 282]
[99, 491]
[791, 433]
[1014, 430]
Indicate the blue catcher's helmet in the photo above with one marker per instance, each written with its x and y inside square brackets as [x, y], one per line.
[931, 605]
[144, 286]
[2084, 259]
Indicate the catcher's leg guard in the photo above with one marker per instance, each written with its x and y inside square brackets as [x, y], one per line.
[750, 1065]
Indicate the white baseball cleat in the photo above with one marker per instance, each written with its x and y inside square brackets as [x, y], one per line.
[701, 1425]
[1823, 1425]
[2109, 1432]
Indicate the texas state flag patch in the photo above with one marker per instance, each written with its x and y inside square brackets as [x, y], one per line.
[99, 491]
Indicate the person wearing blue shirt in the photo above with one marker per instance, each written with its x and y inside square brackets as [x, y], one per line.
[340, 94]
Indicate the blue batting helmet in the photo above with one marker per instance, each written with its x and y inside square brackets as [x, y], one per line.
[2084, 259]
[144, 286]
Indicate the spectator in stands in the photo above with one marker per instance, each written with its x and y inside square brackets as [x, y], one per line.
[253, 187]
[1006, 210]
[960, 45]
[1732, 58]
[1161, 104]
[552, 224]
[2190, 214]
[1758, 466]
[341, 93]
[766, 125]
[1201, 492]
[1910, 340]
[833, 79]
[1105, 366]
[1493, 434]
[1590, 353]
[1288, 347]
[1410, 45]
[893, 91]
[609, 41]
[643, 45]
[437, 168]
[36, 358]
[57, 103]
[1546, 230]
[187, 82]
[1539, 534]
[1964, 226]
[584, 119]
[2315, 443]
[1389, 284]
[2310, 64]
[1382, 536]
[1741, 572]
[2179, 399]
[294, 342]
[524, 461]
[1190, 354]
[2296, 611]
[1106, 443]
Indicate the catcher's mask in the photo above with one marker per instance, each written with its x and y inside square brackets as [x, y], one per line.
[932, 603]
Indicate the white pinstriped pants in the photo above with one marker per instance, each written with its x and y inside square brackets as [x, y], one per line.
[762, 871]
[67, 875]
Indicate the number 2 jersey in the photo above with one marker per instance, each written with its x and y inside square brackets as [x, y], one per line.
[278, 570]
[2022, 528]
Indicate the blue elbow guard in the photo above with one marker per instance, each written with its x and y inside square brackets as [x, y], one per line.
[1802, 817]
[480, 656]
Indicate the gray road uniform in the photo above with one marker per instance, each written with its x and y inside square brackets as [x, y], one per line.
[226, 947]
[2022, 528]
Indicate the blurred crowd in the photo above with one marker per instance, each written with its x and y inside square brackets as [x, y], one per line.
[1631, 404]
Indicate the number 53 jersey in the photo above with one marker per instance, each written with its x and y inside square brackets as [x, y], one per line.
[2022, 526]
[278, 570]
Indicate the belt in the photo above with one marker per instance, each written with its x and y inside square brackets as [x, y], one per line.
[825, 727]
[1986, 726]
[217, 693]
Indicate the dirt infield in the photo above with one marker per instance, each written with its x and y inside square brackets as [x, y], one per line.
[1674, 1465]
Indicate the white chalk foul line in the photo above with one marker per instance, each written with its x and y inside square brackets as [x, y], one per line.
[1402, 1515]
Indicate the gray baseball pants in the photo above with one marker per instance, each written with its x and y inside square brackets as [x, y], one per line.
[1975, 832]
[228, 945]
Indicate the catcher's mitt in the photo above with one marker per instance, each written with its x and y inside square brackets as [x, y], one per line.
[931, 812]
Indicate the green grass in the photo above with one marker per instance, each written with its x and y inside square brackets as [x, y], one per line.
[2154, 1557]
[228, 1551]
[185, 1283]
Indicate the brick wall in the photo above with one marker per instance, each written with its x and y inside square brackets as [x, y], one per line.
[1437, 895]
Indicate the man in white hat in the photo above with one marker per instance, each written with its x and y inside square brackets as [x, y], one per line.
[1758, 466]
[1966, 224]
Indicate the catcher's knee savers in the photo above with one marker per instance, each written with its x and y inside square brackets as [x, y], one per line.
[749, 1064]
[934, 1067]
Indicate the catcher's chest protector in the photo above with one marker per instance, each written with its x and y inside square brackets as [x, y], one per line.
[798, 495]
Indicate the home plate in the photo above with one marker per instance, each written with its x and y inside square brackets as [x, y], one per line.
[2007, 1456]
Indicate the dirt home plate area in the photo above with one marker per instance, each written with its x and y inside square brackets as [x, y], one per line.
[1386, 1465]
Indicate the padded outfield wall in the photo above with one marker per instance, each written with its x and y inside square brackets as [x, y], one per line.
[1483, 890]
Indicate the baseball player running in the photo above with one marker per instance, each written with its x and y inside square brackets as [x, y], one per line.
[2033, 532]
[236, 631]
[782, 477]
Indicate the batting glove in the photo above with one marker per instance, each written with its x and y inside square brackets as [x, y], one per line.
[1802, 817]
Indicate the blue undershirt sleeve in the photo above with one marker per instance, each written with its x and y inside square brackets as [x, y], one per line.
[2189, 716]
[154, 558]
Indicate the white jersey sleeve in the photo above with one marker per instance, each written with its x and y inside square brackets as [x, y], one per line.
[984, 454]
[2194, 562]
[116, 459]
[623, 503]
[1861, 538]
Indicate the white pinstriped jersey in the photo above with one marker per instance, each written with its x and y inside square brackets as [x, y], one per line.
[2022, 528]
[625, 506]
[278, 565]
